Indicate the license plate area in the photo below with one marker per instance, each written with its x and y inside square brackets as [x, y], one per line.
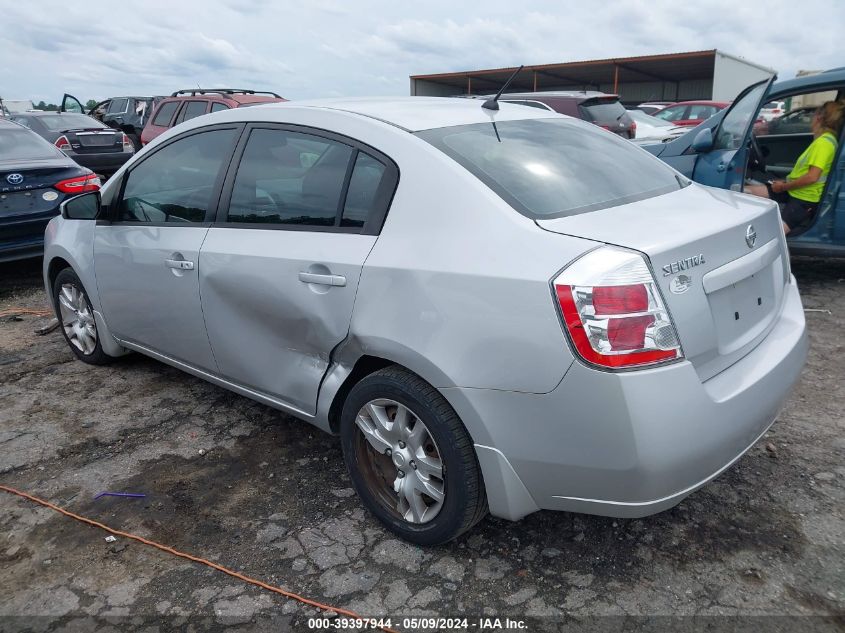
[743, 310]
[23, 203]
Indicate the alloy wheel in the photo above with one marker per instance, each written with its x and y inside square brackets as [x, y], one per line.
[77, 318]
[400, 461]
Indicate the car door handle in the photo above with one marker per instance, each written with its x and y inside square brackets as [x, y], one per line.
[179, 264]
[325, 280]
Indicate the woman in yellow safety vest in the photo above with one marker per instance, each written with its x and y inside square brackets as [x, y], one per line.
[799, 195]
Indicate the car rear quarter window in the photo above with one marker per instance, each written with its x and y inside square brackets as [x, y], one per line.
[21, 144]
[548, 168]
[362, 193]
[165, 113]
[217, 106]
[177, 182]
[287, 177]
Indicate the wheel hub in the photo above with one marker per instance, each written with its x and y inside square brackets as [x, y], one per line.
[393, 438]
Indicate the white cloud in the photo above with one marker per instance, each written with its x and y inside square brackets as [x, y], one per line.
[330, 47]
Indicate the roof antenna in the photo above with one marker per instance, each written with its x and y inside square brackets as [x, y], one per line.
[493, 104]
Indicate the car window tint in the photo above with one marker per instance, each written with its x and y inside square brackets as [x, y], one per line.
[22, 121]
[289, 178]
[165, 113]
[65, 121]
[361, 196]
[701, 112]
[604, 111]
[118, 106]
[176, 183]
[739, 118]
[217, 106]
[672, 113]
[20, 144]
[555, 167]
[193, 110]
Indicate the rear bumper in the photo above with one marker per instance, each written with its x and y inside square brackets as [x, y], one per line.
[23, 238]
[630, 444]
[109, 162]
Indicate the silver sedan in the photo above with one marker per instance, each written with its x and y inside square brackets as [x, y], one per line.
[505, 310]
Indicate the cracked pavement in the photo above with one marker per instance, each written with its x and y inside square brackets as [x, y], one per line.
[245, 486]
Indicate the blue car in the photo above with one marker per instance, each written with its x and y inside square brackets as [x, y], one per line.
[734, 148]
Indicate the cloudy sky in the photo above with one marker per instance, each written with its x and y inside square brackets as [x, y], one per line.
[323, 48]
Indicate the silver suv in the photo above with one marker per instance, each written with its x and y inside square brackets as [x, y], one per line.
[508, 310]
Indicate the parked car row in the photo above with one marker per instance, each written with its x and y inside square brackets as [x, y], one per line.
[332, 237]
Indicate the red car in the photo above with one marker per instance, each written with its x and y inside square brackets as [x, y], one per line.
[183, 105]
[690, 113]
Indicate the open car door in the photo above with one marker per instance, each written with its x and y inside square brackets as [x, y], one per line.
[723, 165]
[71, 104]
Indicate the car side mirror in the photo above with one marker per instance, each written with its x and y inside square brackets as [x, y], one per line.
[703, 141]
[82, 207]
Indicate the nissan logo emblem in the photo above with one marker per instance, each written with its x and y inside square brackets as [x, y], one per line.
[750, 236]
[14, 179]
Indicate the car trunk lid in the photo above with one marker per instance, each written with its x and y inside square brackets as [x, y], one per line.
[94, 140]
[719, 259]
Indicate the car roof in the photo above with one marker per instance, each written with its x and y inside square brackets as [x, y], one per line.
[567, 94]
[37, 113]
[832, 76]
[703, 102]
[414, 113]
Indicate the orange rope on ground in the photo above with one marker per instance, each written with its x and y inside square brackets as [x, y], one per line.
[16, 311]
[196, 559]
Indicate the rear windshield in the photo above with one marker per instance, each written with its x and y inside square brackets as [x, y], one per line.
[605, 112]
[546, 168]
[22, 144]
[60, 122]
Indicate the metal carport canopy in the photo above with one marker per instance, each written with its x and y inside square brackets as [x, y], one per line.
[670, 68]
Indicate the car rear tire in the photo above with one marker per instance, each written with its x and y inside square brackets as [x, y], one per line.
[410, 458]
[76, 318]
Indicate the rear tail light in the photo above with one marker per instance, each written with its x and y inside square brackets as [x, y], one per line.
[79, 184]
[127, 144]
[62, 143]
[613, 312]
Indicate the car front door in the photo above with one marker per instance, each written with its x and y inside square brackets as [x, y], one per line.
[280, 269]
[147, 256]
[723, 165]
[71, 104]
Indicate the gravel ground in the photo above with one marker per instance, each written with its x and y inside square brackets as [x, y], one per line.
[245, 486]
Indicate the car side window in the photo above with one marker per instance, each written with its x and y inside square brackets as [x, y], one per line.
[217, 106]
[701, 112]
[118, 106]
[176, 183]
[362, 193]
[194, 109]
[672, 113]
[165, 113]
[287, 177]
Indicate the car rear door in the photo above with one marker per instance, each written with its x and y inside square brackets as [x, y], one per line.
[147, 256]
[724, 164]
[300, 212]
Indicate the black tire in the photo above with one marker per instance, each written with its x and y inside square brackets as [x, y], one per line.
[136, 140]
[464, 503]
[95, 356]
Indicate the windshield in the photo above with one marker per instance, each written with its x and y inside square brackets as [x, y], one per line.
[59, 122]
[21, 144]
[548, 168]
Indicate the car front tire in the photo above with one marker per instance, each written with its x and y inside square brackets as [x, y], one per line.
[76, 318]
[410, 458]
